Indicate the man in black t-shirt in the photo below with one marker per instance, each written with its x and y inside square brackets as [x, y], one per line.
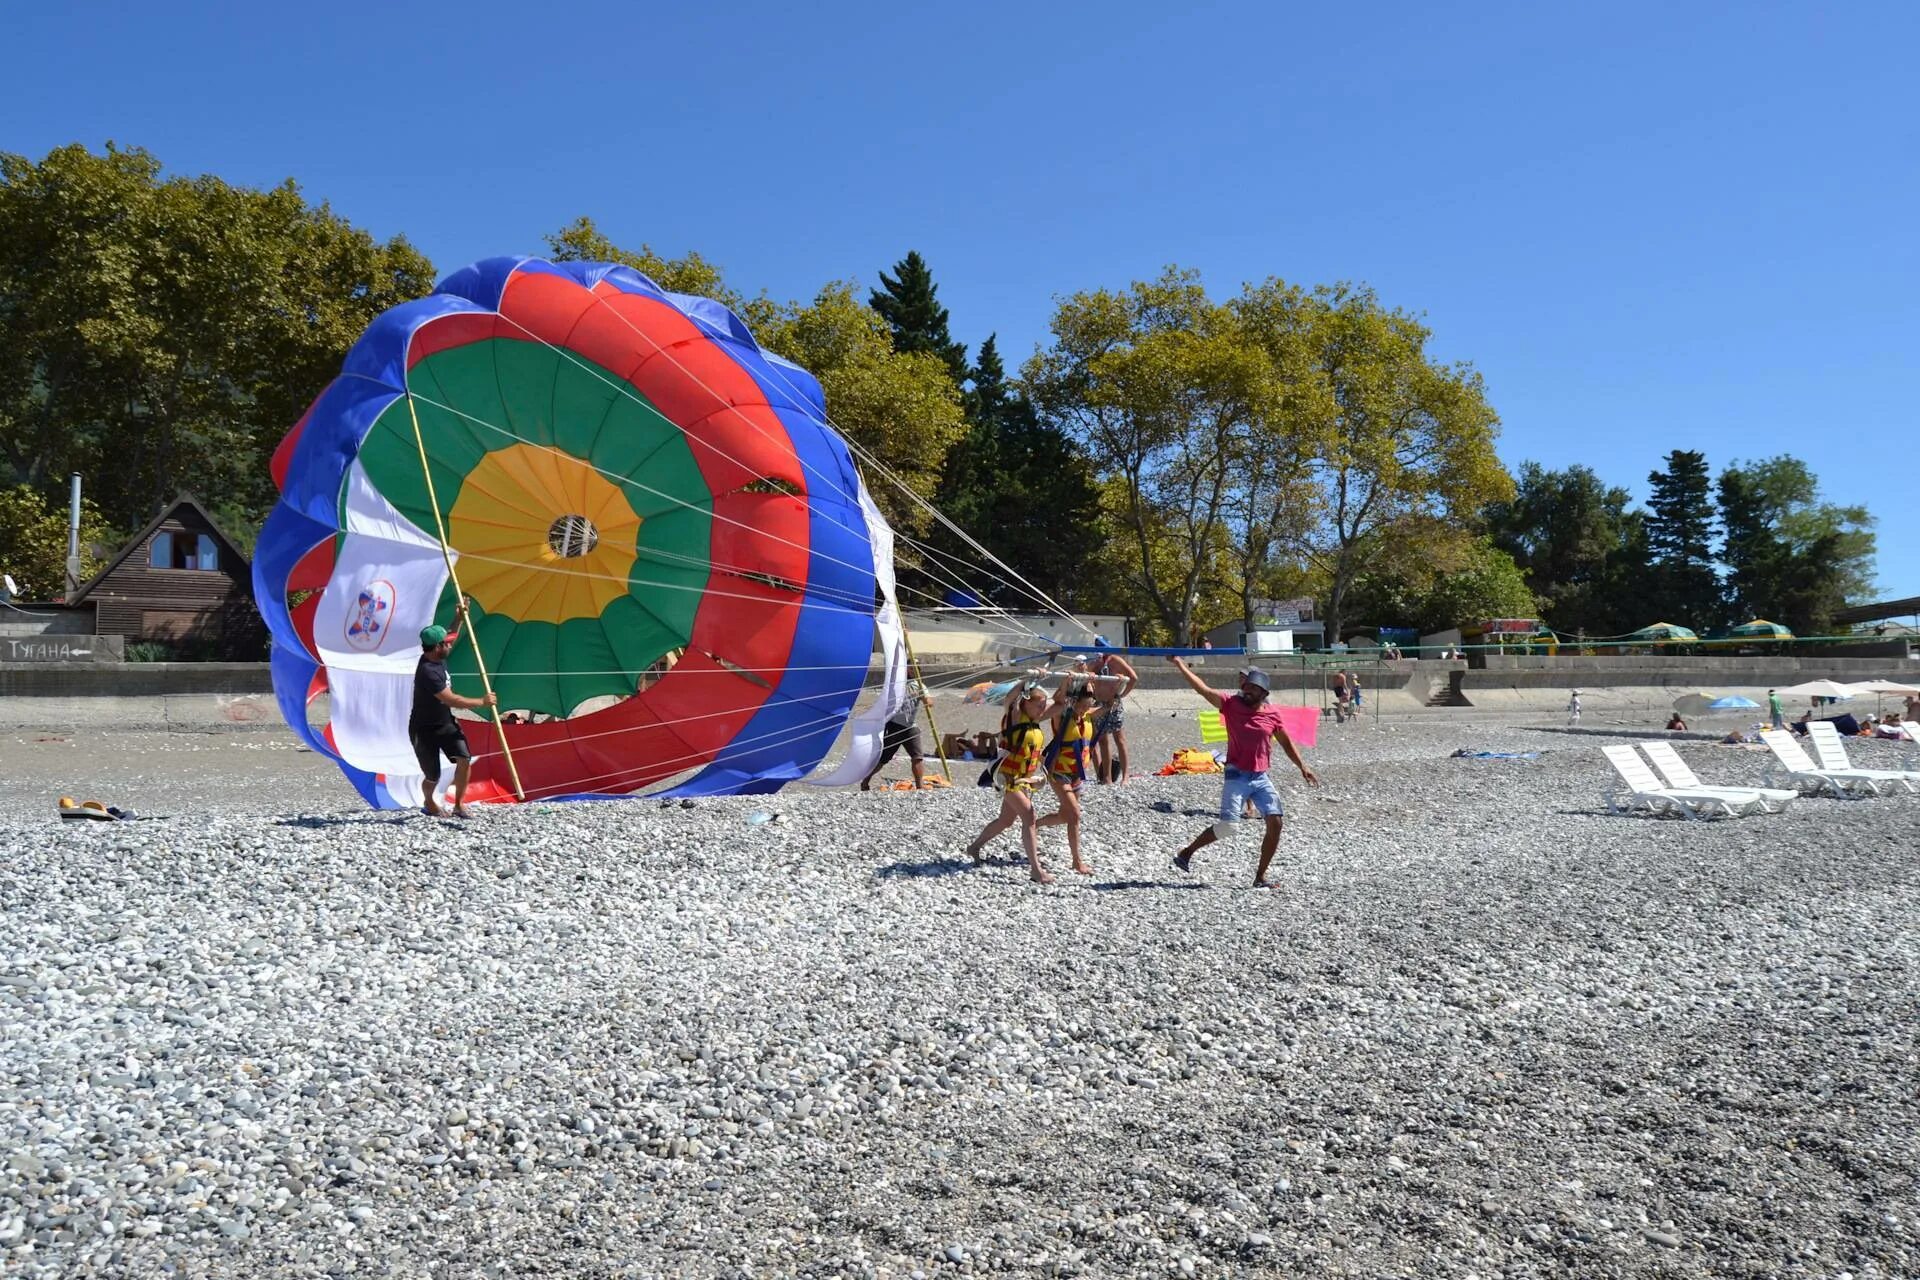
[431, 726]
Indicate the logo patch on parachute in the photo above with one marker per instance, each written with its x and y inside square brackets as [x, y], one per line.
[372, 612]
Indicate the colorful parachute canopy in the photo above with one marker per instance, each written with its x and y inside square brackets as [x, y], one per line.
[624, 477]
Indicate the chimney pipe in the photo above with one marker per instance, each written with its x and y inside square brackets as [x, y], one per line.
[73, 539]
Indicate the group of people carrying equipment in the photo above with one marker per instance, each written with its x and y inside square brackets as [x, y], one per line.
[1029, 754]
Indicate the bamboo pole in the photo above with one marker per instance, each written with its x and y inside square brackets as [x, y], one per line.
[913, 669]
[446, 553]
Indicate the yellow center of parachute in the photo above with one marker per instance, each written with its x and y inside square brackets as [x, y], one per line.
[542, 536]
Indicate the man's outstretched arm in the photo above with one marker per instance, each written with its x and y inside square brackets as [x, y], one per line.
[1199, 686]
[1293, 753]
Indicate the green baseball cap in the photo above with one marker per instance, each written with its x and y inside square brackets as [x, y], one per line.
[432, 636]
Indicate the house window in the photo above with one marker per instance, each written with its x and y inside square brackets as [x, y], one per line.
[181, 550]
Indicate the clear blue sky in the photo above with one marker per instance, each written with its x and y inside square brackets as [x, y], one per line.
[1651, 226]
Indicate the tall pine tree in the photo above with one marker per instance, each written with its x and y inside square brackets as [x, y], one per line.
[909, 302]
[1581, 548]
[1680, 528]
[1018, 485]
[1790, 557]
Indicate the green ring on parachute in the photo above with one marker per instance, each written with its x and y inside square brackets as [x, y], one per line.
[495, 393]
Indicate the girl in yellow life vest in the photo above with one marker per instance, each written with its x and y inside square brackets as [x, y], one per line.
[1018, 774]
[1067, 758]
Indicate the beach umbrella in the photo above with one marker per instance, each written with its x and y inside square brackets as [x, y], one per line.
[1733, 702]
[1692, 704]
[1885, 686]
[1663, 633]
[1818, 689]
[1880, 689]
[1760, 629]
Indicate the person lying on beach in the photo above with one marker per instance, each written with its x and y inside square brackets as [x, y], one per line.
[983, 745]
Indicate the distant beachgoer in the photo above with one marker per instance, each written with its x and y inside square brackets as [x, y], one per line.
[903, 730]
[1113, 679]
[431, 726]
[1676, 722]
[1353, 686]
[1573, 708]
[958, 746]
[1342, 696]
[1800, 726]
[1017, 774]
[1253, 725]
[1066, 758]
[1775, 711]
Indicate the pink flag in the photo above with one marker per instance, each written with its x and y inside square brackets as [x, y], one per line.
[1303, 724]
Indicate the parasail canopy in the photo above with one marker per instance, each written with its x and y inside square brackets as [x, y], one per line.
[672, 563]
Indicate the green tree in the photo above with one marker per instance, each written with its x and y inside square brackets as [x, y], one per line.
[1580, 545]
[1167, 393]
[33, 541]
[582, 241]
[909, 302]
[900, 408]
[1019, 487]
[1111, 580]
[1680, 537]
[160, 334]
[1790, 557]
[1485, 584]
[1390, 442]
[1434, 579]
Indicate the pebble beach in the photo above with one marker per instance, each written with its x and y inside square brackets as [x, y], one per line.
[1483, 1027]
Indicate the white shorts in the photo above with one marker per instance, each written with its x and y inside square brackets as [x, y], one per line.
[1241, 786]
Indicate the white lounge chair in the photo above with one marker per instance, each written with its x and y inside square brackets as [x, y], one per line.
[1913, 730]
[1644, 791]
[1792, 764]
[1668, 764]
[1832, 754]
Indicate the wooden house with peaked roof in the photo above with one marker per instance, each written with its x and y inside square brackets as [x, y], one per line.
[180, 581]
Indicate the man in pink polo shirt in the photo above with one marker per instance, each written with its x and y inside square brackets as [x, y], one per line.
[1252, 724]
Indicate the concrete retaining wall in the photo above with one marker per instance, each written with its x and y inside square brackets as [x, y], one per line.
[133, 679]
[53, 647]
[1762, 670]
[206, 696]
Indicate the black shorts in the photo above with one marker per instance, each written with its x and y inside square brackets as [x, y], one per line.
[898, 736]
[430, 744]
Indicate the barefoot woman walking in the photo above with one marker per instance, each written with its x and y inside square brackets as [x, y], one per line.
[1066, 760]
[1018, 775]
